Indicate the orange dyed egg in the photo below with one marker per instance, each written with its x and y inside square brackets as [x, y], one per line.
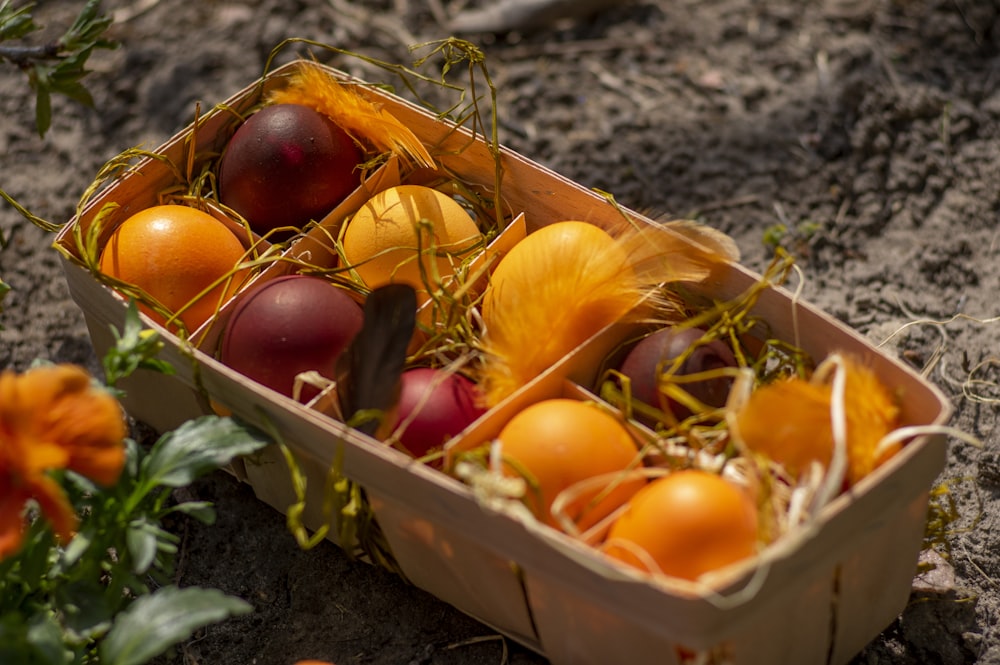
[685, 524]
[183, 257]
[559, 442]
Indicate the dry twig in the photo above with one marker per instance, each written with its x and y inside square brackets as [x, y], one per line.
[523, 15]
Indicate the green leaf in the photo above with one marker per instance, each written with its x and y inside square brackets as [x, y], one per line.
[774, 235]
[86, 612]
[197, 447]
[75, 550]
[134, 348]
[16, 23]
[144, 539]
[14, 647]
[141, 542]
[37, 553]
[154, 623]
[131, 467]
[46, 638]
[87, 28]
[80, 485]
[43, 110]
[203, 511]
[75, 91]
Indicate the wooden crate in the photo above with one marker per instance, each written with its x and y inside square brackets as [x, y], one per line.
[817, 595]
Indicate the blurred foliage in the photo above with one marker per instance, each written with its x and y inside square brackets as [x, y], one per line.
[108, 596]
[57, 66]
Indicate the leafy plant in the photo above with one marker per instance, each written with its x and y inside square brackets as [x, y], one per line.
[794, 240]
[134, 348]
[57, 66]
[106, 594]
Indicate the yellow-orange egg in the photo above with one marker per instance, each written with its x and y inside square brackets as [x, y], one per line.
[687, 523]
[556, 443]
[409, 234]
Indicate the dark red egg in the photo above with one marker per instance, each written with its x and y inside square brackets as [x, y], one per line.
[656, 352]
[289, 325]
[286, 165]
[441, 403]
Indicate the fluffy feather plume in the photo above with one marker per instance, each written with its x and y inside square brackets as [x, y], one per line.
[348, 107]
[790, 421]
[567, 281]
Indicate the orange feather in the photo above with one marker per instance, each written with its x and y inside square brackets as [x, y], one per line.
[564, 283]
[348, 107]
[790, 420]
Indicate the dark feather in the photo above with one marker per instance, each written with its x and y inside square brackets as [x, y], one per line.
[368, 371]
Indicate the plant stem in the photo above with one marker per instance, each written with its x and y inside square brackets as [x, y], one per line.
[23, 55]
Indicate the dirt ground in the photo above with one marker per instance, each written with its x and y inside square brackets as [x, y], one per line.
[869, 128]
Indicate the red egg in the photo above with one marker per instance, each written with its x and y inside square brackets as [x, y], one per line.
[286, 165]
[656, 352]
[442, 405]
[289, 325]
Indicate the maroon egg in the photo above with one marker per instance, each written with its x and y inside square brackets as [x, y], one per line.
[655, 353]
[286, 165]
[289, 325]
[442, 403]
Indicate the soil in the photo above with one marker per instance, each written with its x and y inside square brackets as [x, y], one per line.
[869, 129]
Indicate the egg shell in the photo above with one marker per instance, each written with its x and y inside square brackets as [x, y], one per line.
[688, 523]
[173, 253]
[561, 442]
[286, 165]
[289, 325]
[390, 238]
[442, 404]
[655, 353]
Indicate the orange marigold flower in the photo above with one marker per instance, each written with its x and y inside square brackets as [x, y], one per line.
[790, 421]
[53, 418]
